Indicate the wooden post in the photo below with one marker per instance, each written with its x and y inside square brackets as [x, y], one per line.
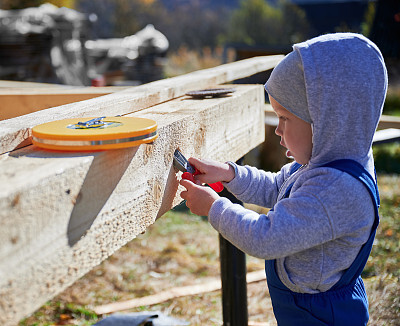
[233, 278]
[234, 285]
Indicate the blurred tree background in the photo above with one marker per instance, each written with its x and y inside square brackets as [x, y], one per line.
[257, 22]
[210, 27]
[196, 24]
[21, 4]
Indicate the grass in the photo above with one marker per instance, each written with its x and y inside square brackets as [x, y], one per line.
[182, 249]
[382, 273]
[387, 157]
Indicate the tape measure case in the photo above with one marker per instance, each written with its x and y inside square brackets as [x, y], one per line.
[91, 134]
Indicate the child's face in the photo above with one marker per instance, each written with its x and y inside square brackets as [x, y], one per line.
[295, 133]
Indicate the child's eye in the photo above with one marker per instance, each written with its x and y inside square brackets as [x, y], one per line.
[282, 118]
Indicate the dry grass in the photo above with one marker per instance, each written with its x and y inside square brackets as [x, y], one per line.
[170, 254]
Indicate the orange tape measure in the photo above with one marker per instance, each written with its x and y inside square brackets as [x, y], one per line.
[93, 134]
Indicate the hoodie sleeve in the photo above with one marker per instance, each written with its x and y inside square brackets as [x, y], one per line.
[288, 229]
[255, 186]
[313, 214]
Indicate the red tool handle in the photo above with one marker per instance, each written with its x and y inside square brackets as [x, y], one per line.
[188, 176]
[217, 186]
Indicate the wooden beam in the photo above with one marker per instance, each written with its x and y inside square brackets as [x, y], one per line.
[25, 84]
[16, 132]
[61, 214]
[16, 102]
[388, 121]
[384, 136]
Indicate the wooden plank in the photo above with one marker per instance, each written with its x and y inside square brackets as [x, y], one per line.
[61, 214]
[271, 118]
[386, 136]
[60, 90]
[177, 292]
[25, 84]
[16, 132]
[16, 102]
[388, 121]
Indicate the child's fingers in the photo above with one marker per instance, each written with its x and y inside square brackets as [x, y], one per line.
[198, 199]
[186, 194]
[198, 164]
[197, 181]
[186, 183]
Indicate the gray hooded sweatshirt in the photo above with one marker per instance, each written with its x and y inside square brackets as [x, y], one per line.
[317, 232]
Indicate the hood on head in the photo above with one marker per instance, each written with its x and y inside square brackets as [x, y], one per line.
[287, 86]
[345, 81]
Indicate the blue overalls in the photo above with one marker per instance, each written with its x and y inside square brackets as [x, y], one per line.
[346, 302]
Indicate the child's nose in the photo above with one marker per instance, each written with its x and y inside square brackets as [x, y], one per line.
[278, 130]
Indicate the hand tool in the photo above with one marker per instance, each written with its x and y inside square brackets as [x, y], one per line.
[93, 134]
[189, 171]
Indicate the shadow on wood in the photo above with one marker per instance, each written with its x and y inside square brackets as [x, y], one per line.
[93, 196]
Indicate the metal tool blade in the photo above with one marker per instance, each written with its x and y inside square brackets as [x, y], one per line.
[181, 163]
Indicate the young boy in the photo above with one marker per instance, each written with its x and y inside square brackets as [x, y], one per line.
[328, 94]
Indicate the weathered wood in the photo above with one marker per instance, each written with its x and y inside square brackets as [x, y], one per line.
[61, 214]
[177, 292]
[25, 84]
[386, 136]
[388, 121]
[15, 102]
[16, 132]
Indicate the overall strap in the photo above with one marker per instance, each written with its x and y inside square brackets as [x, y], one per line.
[293, 168]
[358, 171]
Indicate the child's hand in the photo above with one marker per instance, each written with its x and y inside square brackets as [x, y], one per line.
[198, 198]
[212, 171]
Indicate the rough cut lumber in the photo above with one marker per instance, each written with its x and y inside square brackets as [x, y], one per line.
[16, 102]
[388, 121]
[61, 214]
[16, 132]
[386, 136]
[25, 84]
[177, 292]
